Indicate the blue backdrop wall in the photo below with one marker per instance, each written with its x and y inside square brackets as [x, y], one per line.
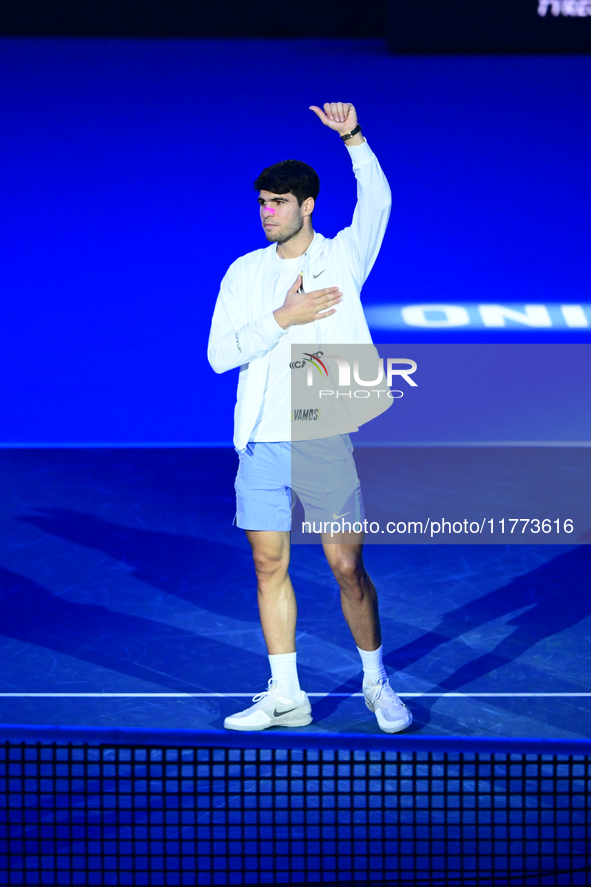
[127, 169]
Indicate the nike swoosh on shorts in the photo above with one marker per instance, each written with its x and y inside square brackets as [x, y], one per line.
[337, 516]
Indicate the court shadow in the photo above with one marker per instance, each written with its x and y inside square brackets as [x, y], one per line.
[557, 596]
[214, 576]
[326, 706]
[130, 645]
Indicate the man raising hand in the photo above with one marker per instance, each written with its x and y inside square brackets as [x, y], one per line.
[302, 289]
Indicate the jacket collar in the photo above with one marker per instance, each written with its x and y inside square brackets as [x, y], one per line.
[311, 253]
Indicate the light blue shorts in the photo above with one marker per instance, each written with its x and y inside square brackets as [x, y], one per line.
[272, 476]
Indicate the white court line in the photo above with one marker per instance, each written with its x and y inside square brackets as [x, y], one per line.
[249, 695]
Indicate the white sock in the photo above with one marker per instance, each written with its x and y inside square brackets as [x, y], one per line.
[285, 671]
[373, 667]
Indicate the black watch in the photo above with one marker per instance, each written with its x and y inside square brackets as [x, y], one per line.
[350, 135]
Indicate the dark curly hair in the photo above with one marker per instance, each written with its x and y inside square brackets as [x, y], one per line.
[290, 177]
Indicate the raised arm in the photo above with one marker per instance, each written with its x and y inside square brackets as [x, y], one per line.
[361, 241]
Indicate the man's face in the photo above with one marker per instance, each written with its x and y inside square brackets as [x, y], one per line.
[281, 216]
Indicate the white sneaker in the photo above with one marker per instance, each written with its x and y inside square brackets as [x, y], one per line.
[391, 712]
[272, 709]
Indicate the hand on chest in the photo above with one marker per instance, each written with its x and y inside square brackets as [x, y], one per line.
[313, 280]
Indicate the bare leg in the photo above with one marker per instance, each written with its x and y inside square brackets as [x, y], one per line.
[359, 599]
[276, 598]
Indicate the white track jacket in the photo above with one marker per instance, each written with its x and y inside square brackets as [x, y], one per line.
[244, 330]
